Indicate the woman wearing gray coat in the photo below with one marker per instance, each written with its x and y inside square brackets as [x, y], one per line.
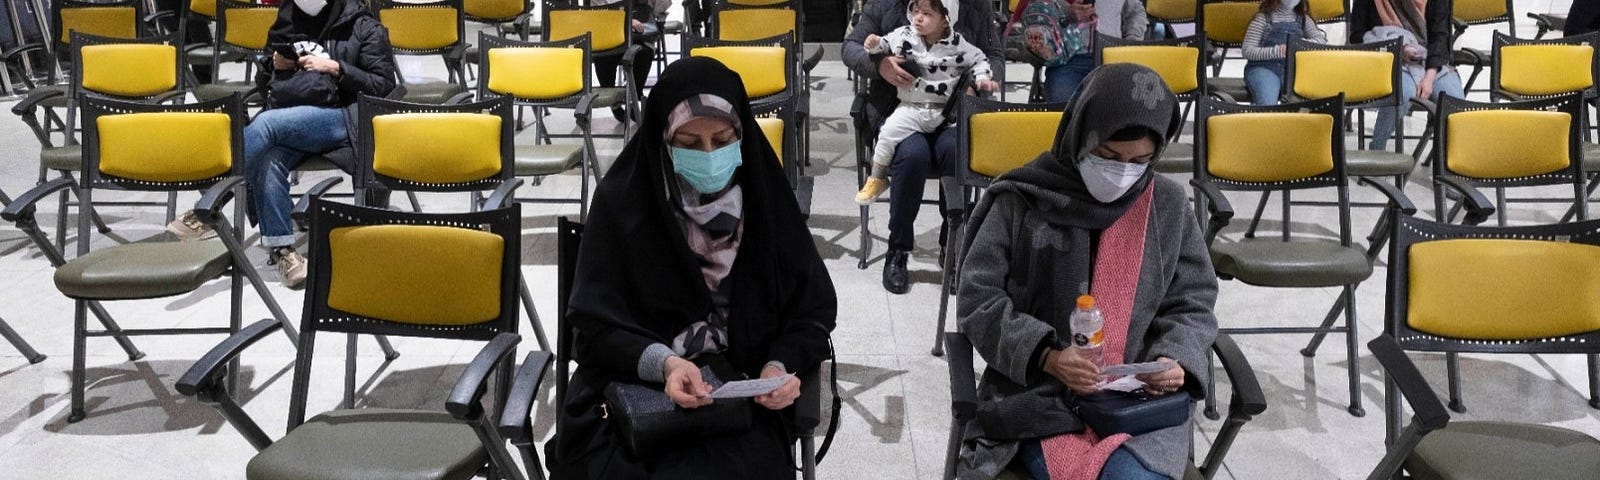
[1087, 217]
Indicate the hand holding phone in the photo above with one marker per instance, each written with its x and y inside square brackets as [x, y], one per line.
[284, 56]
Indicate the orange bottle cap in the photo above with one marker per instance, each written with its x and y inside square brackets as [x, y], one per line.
[1085, 302]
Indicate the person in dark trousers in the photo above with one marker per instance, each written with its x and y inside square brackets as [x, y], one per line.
[195, 32]
[643, 23]
[342, 53]
[1583, 17]
[694, 255]
[922, 154]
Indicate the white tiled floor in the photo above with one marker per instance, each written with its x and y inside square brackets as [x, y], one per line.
[895, 412]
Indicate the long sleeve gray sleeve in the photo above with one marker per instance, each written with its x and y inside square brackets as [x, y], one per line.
[853, 52]
[1006, 338]
[1184, 325]
[1252, 48]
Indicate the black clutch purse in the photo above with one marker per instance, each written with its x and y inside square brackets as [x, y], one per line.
[1133, 413]
[648, 422]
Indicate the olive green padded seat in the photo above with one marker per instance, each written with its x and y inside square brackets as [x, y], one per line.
[212, 91]
[1479, 450]
[1234, 87]
[432, 93]
[68, 157]
[605, 97]
[201, 55]
[1176, 158]
[375, 444]
[1298, 263]
[536, 160]
[143, 270]
[1591, 157]
[1377, 163]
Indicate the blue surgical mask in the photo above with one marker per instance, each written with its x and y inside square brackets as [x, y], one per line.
[708, 172]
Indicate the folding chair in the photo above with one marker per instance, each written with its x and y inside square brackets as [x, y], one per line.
[1529, 69]
[1505, 145]
[135, 146]
[1171, 12]
[994, 138]
[751, 20]
[1223, 24]
[1178, 61]
[1305, 152]
[382, 272]
[1548, 22]
[516, 424]
[1245, 403]
[610, 33]
[771, 80]
[546, 75]
[1469, 13]
[242, 29]
[113, 19]
[427, 29]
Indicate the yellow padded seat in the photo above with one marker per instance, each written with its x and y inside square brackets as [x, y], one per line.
[1546, 69]
[1002, 141]
[1178, 66]
[421, 28]
[165, 146]
[248, 27]
[129, 69]
[1507, 143]
[1503, 289]
[1226, 22]
[437, 148]
[1169, 9]
[1478, 10]
[761, 68]
[754, 23]
[605, 27]
[1361, 76]
[493, 9]
[1324, 10]
[113, 22]
[772, 129]
[1300, 146]
[536, 73]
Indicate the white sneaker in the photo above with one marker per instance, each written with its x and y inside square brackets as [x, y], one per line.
[189, 228]
[291, 266]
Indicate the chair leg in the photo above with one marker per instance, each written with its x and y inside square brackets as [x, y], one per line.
[21, 345]
[808, 458]
[1210, 410]
[80, 336]
[1338, 307]
[952, 451]
[1452, 367]
[415, 205]
[1255, 220]
[1594, 381]
[533, 315]
[946, 278]
[1352, 345]
[350, 350]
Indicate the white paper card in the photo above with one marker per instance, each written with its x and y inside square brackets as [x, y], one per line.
[750, 388]
[1133, 369]
[1124, 384]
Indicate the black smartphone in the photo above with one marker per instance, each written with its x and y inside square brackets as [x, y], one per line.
[286, 50]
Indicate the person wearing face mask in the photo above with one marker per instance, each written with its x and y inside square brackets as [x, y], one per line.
[1087, 217]
[342, 52]
[1266, 43]
[694, 255]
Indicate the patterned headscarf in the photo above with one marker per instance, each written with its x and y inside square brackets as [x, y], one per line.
[702, 105]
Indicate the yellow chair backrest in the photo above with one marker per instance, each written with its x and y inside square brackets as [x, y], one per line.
[756, 3]
[1546, 69]
[536, 73]
[772, 129]
[1503, 289]
[129, 69]
[437, 148]
[204, 7]
[421, 28]
[416, 274]
[113, 22]
[1178, 66]
[165, 147]
[762, 68]
[1300, 146]
[606, 27]
[493, 9]
[754, 23]
[1226, 22]
[1360, 75]
[1324, 10]
[1170, 9]
[1479, 10]
[248, 27]
[1507, 143]
[1001, 141]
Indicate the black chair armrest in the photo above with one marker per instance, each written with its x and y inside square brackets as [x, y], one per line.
[21, 49]
[519, 400]
[628, 56]
[1479, 57]
[25, 107]
[302, 206]
[465, 399]
[173, 97]
[504, 195]
[214, 198]
[963, 381]
[1426, 106]
[22, 207]
[808, 408]
[203, 380]
[1502, 94]
[1429, 412]
[1397, 198]
[584, 111]
[1478, 206]
[1248, 400]
[811, 60]
[459, 98]
[1217, 203]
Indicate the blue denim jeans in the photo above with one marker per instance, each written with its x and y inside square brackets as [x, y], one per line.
[1061, 80]
[1121, 465]
[1447, 82]
[1265, 80]
[276, 143]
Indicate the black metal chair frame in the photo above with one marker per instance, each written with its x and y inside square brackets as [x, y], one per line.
[451, 54]
[627, 50]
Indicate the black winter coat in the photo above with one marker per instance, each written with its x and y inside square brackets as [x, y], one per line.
[353, 37]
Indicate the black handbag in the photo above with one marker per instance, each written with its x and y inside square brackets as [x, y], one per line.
[649, 423]
[303, 87]
[1134, 413]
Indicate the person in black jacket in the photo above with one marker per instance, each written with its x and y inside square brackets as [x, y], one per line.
[1584, 17]
[694, 254]
[645, 13]
[343, 53]
[1425, 25]
[922, 154]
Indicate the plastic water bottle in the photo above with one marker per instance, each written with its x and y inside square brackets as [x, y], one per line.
[1087, 330]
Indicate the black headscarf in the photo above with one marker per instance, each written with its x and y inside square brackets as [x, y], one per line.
[637, 282]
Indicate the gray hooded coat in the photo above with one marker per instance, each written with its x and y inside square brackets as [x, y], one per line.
[1032, 239]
